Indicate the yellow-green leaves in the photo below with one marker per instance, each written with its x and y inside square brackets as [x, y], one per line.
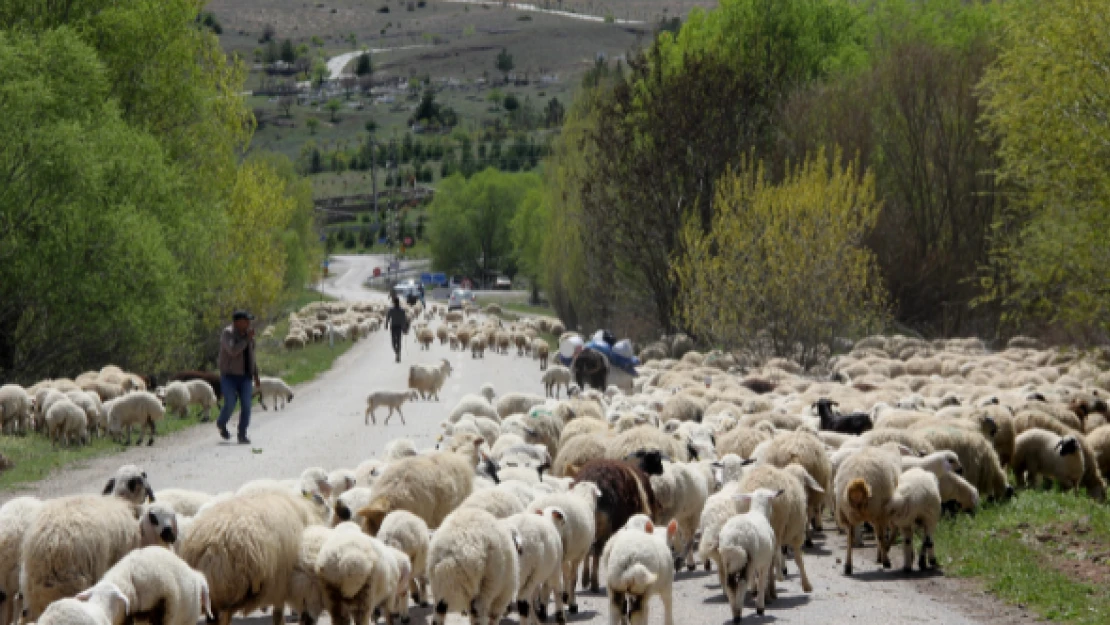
[783, 269]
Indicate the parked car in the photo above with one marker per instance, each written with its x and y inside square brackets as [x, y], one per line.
[459, 298]
[503, 283]
[409, 291]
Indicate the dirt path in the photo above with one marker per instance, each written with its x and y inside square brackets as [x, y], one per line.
[324, 426]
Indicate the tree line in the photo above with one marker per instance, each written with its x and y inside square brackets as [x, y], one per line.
[958, 148]
[131, 225]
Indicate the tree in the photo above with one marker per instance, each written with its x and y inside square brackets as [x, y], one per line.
[511, 103]
[554, 113]
[362, 65]
[285, 104]
[783, 271]
[495, 97]
[288, 51]
[348, 83]
[1046, 103]
[528, 227]
[334, 106]
[313, 124]
[504, 63]
[470, 221]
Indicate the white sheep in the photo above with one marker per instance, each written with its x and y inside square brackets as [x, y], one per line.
[637, 565]
[15, 409]
[428, 379]
[66, 420]
[554, 377]
[1043, 454]
[201, 394]
[307, 595]
[158, 526]
[864, 484]
[156, 584]
[475, 405]
[70, 544]
[72, 611]
[130, 483]
[517, 403]
[747, 546]
[15, 517]
[185, 503]
[356, 573]
[681, 492]
[541, 557]
[275, 388]
[388, 399]
[141, 409]
[916, 503]
[408, 533]
[177, 398]
[94, 410]
[473, 565]
[579, 507]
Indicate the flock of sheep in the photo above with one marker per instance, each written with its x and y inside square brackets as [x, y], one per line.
[705, 461]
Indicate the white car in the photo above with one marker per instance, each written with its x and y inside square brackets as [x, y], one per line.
[503, 284]
[459, 298]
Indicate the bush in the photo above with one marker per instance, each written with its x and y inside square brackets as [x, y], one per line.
[783, 270]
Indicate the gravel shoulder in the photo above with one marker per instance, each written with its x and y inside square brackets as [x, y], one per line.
[324, 426]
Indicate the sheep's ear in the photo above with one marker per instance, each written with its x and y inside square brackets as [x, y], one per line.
[558, 515]
[649, 527]
[478, 442]
[747, 462]
[109, 487]
[778, 493]
[672, 528]
[84, 595]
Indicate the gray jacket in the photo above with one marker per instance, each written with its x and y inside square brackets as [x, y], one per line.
[237, 355]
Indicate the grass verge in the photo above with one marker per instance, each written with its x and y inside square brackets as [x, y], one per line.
[298, 365]
[1048, 551]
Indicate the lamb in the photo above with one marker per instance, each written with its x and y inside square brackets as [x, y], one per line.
[247, 547]
[865, 484]
[854, 423]
[66, 420]
[638, 566]
[15, 517]
[406, 532]
[540, 553]
[625, 491]
[71, 611]
[681, 491]
[579, 509]
[176, 399]
[157, 586]
[554, 377]
[275, 388]
[476, 405]
[72, 543]
[388, 399]
[15, 409]
[541, 351]
[201, 394]
[916, 503]
[747, 546]
[429, 486]
[130, 483]
[428, 379]
[473, 566]
[788, 512]
[141, 409]
[1044, 454]
[357, 573]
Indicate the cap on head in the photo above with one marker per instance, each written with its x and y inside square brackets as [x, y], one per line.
[242, 314]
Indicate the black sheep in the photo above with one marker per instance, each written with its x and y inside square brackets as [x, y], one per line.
[854, 423]
[591, 367]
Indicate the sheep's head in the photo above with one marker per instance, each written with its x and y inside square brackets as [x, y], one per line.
[488, 467]
[1067, 446]
[110, 596]
[649, 460]
[371, 517]
[131, 484]
[158, 526]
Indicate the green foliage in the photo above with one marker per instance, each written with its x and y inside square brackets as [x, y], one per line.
[334, 106]
[511, 103]
[783, 270]
[504, 62]
[362, 65]
[1046, 101]
[313, 125]
[471, 221]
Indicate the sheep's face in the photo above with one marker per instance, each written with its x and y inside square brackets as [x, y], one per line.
[161, 523]
[650, 461]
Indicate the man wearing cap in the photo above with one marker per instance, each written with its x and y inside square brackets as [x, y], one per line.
[237, 370]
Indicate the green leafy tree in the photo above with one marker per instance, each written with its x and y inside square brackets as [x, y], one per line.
[495, 97]
[784, 271]
[504, 63]
[288, 51]
[511, 103]
[313, 125]
[470, 220]
[529, 226]
[334, 106]
[362, 65]
[1046, 100]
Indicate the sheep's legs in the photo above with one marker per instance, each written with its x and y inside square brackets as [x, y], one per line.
[557, 587]
[369, 417]
[735, 594]
[907, 551]
[927, 546]
[848, 555]
[570, 585]
[806, 586]
[883, 539]
[616, 608]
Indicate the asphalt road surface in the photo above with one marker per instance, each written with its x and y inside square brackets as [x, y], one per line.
[323, 426]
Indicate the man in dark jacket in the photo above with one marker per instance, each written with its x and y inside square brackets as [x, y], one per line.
[397, 323]
[238, 369]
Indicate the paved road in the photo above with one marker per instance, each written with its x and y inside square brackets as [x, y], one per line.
[324, 426]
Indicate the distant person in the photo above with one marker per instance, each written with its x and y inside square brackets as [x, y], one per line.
[421, 288]
[397, 323]
[238, 368]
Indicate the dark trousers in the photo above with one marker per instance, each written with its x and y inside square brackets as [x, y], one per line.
[396, 336]
[236, 388]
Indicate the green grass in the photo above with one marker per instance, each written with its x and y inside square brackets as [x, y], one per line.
[1049, 551]
[35, 456]
[297, 365]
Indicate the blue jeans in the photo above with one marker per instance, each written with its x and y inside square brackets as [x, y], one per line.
[236, 388]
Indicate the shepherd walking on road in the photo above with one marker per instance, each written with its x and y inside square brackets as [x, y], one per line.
[397, 323]
[238, 368]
